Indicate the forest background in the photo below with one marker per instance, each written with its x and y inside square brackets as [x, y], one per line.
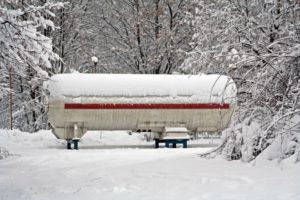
[256, 42]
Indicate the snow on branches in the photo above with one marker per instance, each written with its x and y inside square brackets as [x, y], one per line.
[257, 44]
[23, 43]
[25, 53]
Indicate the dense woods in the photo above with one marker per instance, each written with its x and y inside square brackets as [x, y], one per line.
[255, 42]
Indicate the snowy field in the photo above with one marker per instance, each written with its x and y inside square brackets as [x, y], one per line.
[40, 168]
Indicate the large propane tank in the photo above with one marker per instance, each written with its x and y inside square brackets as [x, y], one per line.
[81, 102]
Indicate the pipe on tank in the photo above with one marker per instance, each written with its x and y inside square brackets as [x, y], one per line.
[75, 130]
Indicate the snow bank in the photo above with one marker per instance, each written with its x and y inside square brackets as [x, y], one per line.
[15, 139]
[250, 141]
[104, 138]
[192, 88]
[44, 139]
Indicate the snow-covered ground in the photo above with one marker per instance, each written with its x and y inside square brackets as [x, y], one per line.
[40, 168]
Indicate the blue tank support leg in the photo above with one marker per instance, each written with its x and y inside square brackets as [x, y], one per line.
[72, 141]
[69, 143]
[76, 144]
[172, 142]
[156, 143]
[167, 144]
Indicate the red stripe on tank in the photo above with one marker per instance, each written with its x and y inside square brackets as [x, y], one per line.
[146, 106]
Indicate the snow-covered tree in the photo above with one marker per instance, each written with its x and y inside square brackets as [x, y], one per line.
[257, 43]
[137, 36]
[140, 36]
[74, 38]
[27, 53]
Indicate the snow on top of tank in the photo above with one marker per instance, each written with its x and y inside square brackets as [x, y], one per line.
[138, 85]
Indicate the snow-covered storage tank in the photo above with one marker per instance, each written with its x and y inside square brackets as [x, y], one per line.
[81, 102]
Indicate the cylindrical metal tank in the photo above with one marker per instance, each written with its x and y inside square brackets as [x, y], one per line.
[81, 102]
